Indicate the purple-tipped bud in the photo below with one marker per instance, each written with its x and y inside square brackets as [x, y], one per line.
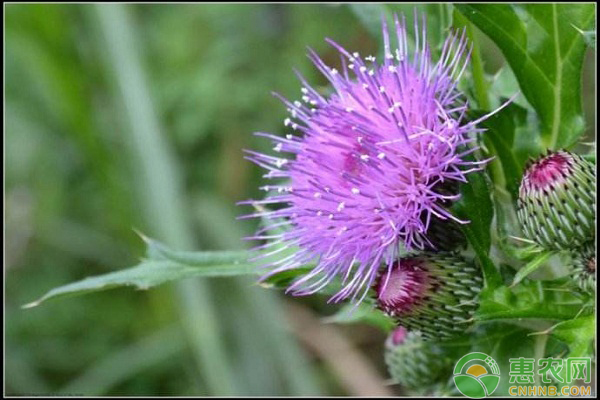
[434, 293]
[557, 201]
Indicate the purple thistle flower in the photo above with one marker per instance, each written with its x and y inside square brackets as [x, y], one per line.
[366, 162]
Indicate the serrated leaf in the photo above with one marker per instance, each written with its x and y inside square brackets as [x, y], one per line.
[545, 52]
[150, 273]
[163, 265]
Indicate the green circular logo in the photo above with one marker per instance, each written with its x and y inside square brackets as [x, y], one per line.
[476, 375]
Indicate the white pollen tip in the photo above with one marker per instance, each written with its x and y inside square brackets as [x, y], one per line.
[355, 191]
[381, 156]
[364, 157]
[341, 206]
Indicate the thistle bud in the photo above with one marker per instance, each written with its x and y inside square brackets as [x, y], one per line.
[414, 363]
[434, 293]
[584, 267]
[557, 201]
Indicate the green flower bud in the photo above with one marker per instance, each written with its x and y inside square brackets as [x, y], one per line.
[584, 267]
[418, 365]
[434, 293]
[557, 201]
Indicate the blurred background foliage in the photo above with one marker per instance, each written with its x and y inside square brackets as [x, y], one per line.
[79, 178]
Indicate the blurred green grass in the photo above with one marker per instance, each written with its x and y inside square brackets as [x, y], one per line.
[75, 188]
[78, 179]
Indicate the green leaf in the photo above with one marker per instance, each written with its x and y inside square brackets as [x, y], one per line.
[529, 300]
[577, 333]
[366, 313]
[546, 53]
[150, 273]
[163, 265]
[531, 266]
[475, 206]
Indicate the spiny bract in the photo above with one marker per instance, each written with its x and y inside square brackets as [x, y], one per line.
[434, 293]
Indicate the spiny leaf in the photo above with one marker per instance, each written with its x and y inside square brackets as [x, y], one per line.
[150, 273]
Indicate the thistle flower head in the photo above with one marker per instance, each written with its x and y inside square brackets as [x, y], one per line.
[557, 201]
[357, 177]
